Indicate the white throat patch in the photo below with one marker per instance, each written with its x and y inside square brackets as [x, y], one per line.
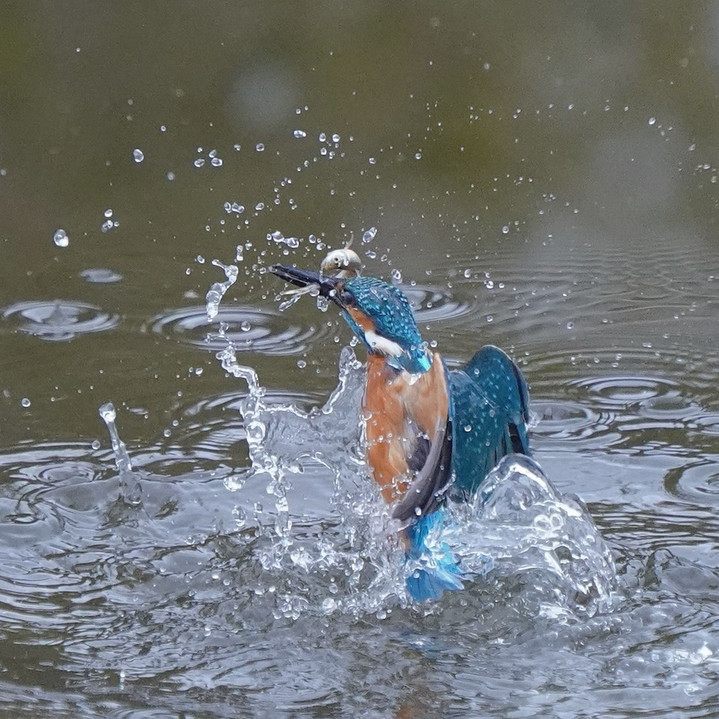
[382, 344]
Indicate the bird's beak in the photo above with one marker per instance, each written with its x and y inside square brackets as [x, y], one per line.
[305, 278]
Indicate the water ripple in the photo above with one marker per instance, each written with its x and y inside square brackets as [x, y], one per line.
[248, 328]
[434, 304]
[566, 419]
[624, 391]
[696, 482]
[59, 320]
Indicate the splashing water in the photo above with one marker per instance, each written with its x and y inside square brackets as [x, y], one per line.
[348, 566]
[520, 532]
[522, 543]
[217, 290]
[130, 488]
[520, 526]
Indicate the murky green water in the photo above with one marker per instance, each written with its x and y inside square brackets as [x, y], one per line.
[541, 177]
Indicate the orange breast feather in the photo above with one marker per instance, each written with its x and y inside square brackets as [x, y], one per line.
[395, 408]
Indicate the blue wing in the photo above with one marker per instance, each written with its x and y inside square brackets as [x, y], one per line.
[488, 420]
[490, 415]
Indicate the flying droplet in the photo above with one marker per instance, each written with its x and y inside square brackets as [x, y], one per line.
[60, 238]
[369, 235]
[138, 155]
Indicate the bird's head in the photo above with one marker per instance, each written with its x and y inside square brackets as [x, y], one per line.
[378, 313]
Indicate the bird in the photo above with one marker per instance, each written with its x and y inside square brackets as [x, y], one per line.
[432, 434]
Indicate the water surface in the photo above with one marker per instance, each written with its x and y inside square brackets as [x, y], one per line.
[545, 181]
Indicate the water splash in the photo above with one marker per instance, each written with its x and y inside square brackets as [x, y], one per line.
[520, 524]
[520, 531]
[130, 488]
[352, 562]
[217, 290]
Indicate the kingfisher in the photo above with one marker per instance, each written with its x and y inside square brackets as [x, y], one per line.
[431, 434]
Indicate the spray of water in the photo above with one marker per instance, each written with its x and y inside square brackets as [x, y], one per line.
[519, 531]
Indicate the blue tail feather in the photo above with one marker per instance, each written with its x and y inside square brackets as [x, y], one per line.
[433, 569]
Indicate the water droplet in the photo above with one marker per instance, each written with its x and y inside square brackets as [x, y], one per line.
[199, 162]
[138, 155]
[96, 444]
[335, 138]
[417, 155]
[505, 230]
[570, 325]
[235, 207]
[299, 134]
[60, 238]
[245, 326]
[170, 176]
[372, 161]
[369, 235]
[301, 364]
[260, 147]
[652, 120]
[108, 213]
[25, 402]
[216, 162]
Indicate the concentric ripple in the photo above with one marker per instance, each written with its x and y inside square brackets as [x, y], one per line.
[564, 420]
[628, 399]
[622, 391]
[59, 320]
[434, 304]
[696, 482]
[248, 328]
